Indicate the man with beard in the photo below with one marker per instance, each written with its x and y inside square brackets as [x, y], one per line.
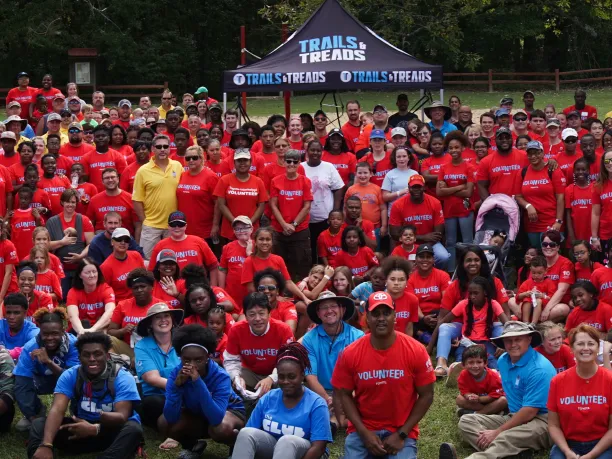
[231, 124]
[401, 118]
[352, 128]
[97, 100]
[74, 150]
[324, 344]
[352, 212]
[103, 417]
[100, 248]
[403, 366]
[125, 113]
[101, 158]
[497, 172]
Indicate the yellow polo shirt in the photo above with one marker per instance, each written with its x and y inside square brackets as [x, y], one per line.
[156, 189]
[63, 138]
[163, 111]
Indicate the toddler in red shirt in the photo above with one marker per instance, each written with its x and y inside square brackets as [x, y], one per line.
[46, 280]
[408, 246]
[480, 388]
[553, 348]
[329, 242]
[216, 322]
[534, 294]
[361, 260]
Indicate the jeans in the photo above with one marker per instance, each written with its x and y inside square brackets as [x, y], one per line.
[580, 447]
[451, 331]
[355, 449]
[27, 389]
[489, 346]
[66, 283]
[252, 443]
[466, 225]
[535, 240]
[115, 443]
[441, 256]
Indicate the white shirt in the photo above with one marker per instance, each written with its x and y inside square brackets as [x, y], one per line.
[325, 180]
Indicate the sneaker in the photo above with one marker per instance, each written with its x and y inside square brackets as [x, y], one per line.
[462, 411]
[23, 425]
[453, 374]
[447, 451]
[195, 453]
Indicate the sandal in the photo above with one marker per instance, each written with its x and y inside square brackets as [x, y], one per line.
[439, 375]
[168, 444]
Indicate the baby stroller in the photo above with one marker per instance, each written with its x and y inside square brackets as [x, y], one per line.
[497, 212]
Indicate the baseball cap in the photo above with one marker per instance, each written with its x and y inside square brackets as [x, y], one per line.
[553, 122]
[528, 92]
[502, 112]
[75, 125]
[380, 299]
[425, 248]
[201, 90]
[402, 97]
[379, 107]
[506, 100]
[569, 132]
[398, 131]
[23, 74]
[123, 102]
[177, 216]
[59, 96]
[104, 112]
[71, 98]
[166, 255]
[503, 130]
[214, 107]
[573, 113]
[120, 232]
[9, 135]
[416, 179]
[242, 153]
[335, 131]
[54, 117]
[520, 112]
[535, 145]
[320, 112]
[13, 103]
[377, 134]
[242, 219]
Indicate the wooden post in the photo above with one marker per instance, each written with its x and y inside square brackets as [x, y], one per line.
[243, 60]
[557, 80]
[286, 94]
[490, 80]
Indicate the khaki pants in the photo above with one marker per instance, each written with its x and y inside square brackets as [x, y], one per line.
[532, 435]
[150, 236]
[250, 378]
[121, 347]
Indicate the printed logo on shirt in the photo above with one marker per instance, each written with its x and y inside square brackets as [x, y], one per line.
[581, 202]
[242, 191]
[418, 218]
[186, 253]
[260, 352]
[189, 187]
[506, 169]
[91, 306]
[606, 286]
[381, 375]
[584, 400]
[55, 189]
[30, 224]
[91, 406]
[102, 164]
[426, 290]
[44, 288]
[281, 429]
[455, 177]
[536, 182]
[132, 320]
[605, 196]
[236, 259]
[107, 209]
[291, 193]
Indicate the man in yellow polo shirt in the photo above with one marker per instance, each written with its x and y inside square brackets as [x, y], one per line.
[166, 104]
[154, 194]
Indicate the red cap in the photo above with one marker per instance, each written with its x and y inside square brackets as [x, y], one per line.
[416, 179]
[378, 298]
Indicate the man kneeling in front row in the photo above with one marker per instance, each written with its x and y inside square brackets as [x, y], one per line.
[101, 396]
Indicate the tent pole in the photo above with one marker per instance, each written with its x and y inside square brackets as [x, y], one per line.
[422, 107]
[337, 113]
[224, 107]
[286, 94]
[243, 60]
[442, 95]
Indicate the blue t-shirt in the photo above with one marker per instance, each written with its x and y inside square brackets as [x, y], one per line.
[27, 332]
[150, 357]
[309, 419]
[89, 408]
[526, 382]
[29, 367]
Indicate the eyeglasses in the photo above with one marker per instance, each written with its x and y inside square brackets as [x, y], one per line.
[292, 161]
[73, 131]
[87, 132]
[320, 119]
[191, 158]
[177, 224]
[578, 254]
[423, 134]
[379, 112]
[269, 288]
[520, 118]
[162, 147]
[243, 230]
[124, 240]
[551, 245]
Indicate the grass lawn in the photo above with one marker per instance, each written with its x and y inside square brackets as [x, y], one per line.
[439, 425]
[600, 98]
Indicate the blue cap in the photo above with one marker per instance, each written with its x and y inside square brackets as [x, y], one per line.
[502, 112]
[535, 145]
[377, 134]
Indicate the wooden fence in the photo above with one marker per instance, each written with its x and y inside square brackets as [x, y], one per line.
[526, 79]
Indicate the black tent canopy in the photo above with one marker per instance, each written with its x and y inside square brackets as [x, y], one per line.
[333, 51]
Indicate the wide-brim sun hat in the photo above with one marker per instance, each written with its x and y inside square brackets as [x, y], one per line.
[158, 308]
[342, 301]
[437, 104]
[516, 328]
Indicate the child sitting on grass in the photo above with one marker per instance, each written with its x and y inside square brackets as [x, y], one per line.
[480, 388]
[534, 294]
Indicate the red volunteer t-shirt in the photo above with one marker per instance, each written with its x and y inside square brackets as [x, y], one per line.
[561, 360]
[41, 199]
[429, 290]
[162, 294]
[291, 196]
[384, 378]
[17, 172]
[258, 353]
[86, 191]
[566, 164]
[49, 95]
[128, 312]
[382, 167]
[241, 198]
[329, 246]
[351, 134]
[547, 286]
[599, 318]
[73, 153]
[25, 98]
[455, 175]
[479, 326]
[540, 190]
[116, 272]
[602, 280]
[54, 187]
[579, 201]
[126, 182]
[192, 249]
[603, 197]
[284, 311]
[91, 305]
[490, 385]
[584, 273]
[360, 263]
[6, 186]
[587, 112]
[501, 171]
[8, 161]
[39, 300]
[406, 311]
[220, 169]
[425, 215]
[432, 166]
[8, 256]
[274, 170]
[48, 282]
[562, 271]
[257, 164]
[253, 264]
[233, 257]
[345, 164]
[195, 319]
[452, 295]
[583, 409]
[22, 228]
[267, 159]
[102, 203]
[94, 163]
[194, 195]
[399, 251]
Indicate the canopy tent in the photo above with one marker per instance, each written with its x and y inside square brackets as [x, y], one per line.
[333, 51]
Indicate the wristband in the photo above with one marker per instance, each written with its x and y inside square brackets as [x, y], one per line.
[98, 428]
[527, 206]
[326, 277]
[46, 445]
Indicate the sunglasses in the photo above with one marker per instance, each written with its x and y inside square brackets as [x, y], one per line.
[379, 112]
[551, 245]
[520, 118]
[269, 288]
[191, 158]
[177, 224]
[123, 239]
[166, 98]
[571, 140]
[320, 119]
[292, 161]
[162, 147]
[607, 162]
[73, 131]
[423, 134]
[87, 132]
